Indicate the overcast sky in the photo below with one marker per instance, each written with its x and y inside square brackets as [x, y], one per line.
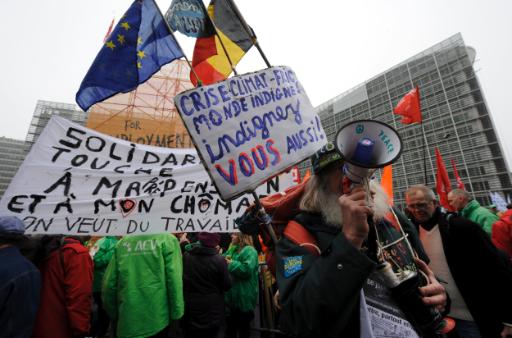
[332, 46]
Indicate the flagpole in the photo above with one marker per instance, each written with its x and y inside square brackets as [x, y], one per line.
[218, 36]
[425, 141]
[249, 31]
[425, 147]
[199, 82]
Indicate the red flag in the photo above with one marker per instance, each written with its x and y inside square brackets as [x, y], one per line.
[409, 107]
[296, 175]
[109, 31]
[443, 186]
[460, 184]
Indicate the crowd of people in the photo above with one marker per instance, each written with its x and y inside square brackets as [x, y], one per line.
[194, 285]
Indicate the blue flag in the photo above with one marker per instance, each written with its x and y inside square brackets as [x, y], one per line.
[137, 48]
[190, 18]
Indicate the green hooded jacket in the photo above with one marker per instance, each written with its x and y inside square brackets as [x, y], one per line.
[143, 286]
[104, 250]
[243, 268]
[480, 215]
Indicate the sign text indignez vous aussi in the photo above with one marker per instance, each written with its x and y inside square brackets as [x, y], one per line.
[251, 127]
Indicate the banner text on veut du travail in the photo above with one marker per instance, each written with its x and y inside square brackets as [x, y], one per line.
[78, 181]
[251, 127]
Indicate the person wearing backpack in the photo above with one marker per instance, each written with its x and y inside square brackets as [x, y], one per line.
[320, 279]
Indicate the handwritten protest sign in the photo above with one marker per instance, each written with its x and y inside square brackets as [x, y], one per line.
[78, 181]
[251, 127]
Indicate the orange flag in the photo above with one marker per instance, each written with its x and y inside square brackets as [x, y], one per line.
[307, 175]
[386, 182]
[409, 107]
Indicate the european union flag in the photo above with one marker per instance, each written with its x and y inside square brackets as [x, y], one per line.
[138, 47]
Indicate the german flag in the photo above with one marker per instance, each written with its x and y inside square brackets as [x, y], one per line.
[209, 59]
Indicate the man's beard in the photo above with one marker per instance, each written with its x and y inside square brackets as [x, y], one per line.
[331, 209]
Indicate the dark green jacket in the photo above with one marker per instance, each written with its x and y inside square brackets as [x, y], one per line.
[105, 248]
[320, 294]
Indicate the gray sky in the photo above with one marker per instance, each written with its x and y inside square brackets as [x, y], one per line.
[332, 46]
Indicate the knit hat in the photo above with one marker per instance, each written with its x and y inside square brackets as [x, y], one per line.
[326, 155]
[208, 239]
[11, 226]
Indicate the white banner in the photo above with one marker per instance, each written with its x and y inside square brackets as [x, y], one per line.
[251, 127]
[78, 181]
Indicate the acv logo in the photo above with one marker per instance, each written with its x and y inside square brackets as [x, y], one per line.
[359, 128]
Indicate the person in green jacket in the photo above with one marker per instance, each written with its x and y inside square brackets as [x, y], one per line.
[103, 251]
[241, 299]
[143, 288]
[462, 202]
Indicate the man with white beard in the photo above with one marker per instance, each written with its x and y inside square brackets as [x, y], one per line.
[320, 279]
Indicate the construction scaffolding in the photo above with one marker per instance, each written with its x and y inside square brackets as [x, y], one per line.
[147, 115]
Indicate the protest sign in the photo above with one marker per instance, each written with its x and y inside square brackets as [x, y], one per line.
[251, 127]
[81, 182]
[141, 129]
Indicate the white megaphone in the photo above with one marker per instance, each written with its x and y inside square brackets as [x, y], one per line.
[367, 145]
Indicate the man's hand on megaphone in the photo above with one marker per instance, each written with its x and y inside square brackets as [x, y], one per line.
[355, 213]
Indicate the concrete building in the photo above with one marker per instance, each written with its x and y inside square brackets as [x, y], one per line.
[44, 111]
[456, 119]
[12, 153]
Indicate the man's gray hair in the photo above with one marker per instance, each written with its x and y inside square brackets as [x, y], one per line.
[429, 193]
[310, 199]
[461, 193]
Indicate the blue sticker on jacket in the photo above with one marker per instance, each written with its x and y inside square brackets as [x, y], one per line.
[292, 265]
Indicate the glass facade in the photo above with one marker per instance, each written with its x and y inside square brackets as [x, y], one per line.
[13, 152]
[44, 111]
[455, 119]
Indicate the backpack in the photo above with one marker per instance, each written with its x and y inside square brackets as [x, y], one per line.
[281, 208]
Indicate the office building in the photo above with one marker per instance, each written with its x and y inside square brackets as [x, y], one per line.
[456, 119]
[44, 111]
[12, 153]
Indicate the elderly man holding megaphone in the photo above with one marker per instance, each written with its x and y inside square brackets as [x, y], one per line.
[345, 231]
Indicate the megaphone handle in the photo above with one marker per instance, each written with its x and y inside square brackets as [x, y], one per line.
[346, 185]
[366, 185]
